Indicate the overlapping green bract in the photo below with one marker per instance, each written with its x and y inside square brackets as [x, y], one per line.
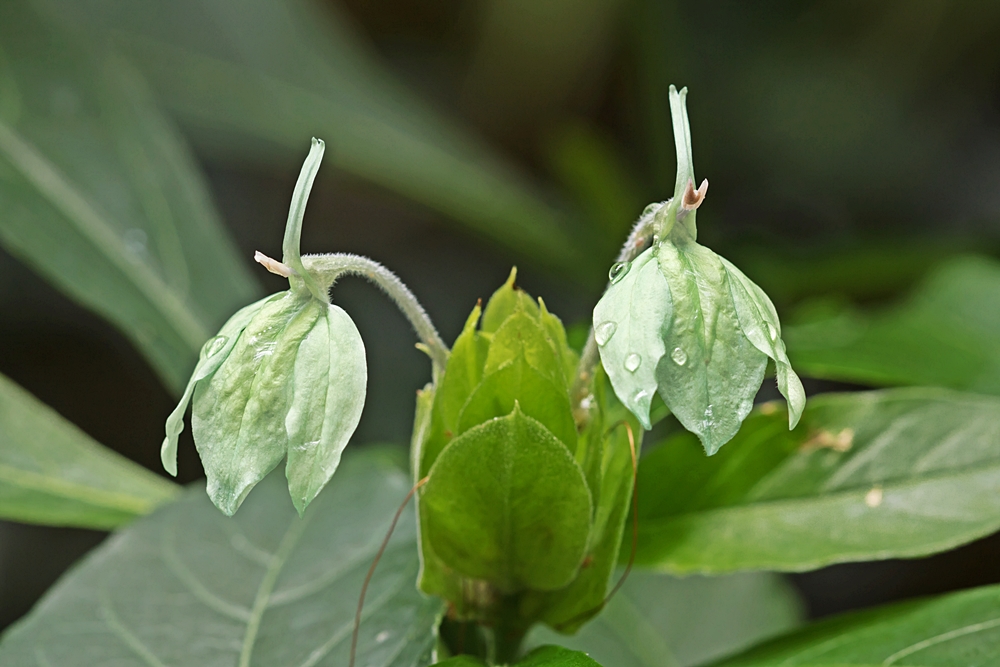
[285, 376]
[517, 502]
[683, 321]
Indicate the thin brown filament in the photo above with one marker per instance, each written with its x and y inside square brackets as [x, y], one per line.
[635, 527]
[371, 570]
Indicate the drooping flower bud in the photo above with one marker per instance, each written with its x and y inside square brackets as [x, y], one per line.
[683, 321]
[284, 378]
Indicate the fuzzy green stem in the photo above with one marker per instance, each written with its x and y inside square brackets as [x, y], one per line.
[327, 269]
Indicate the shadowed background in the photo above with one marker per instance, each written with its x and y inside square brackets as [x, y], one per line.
[851, 149]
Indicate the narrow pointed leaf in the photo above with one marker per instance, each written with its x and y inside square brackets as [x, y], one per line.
[630, 321]
[252, 76]
[186, 586]
[52, 473]
[868, 475]
[657, 620]
[946, 333]
[102, 198]
[954, 630]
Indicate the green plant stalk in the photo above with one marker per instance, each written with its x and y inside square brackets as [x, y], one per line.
[329, 268]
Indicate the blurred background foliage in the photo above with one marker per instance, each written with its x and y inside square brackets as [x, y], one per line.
[146, 150]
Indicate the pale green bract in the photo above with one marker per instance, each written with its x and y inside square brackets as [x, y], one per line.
[683, 321]
[285, 377]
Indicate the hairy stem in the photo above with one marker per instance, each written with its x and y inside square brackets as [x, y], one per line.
[638, 239]
[327, 269]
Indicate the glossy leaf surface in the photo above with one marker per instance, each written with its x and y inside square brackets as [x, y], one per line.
[657, 620]
[954, 630]
[187, 586]
[102, 198]
[53, 473]
[887, 474]
[505, 502]
[947, 333]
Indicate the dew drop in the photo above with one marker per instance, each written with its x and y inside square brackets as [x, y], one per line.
[639, 395]
[213, 346]
[772, 332]
[632, 362]
[618, 271]
[382, 636]
[604, 332]
[265, 350]
[679, 356]
[874, 497]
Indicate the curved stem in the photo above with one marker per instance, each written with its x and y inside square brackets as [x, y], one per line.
[327, 269]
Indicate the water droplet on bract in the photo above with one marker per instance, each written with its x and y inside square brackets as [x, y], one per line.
[772, 332]
[679, 356]
[618, 271]
[604, 332]
[265, 350]
[632, 362]
[212, 346]
[639, 395]
[382, 636]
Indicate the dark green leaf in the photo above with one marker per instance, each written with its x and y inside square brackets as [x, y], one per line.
[947, 333]
[955, 630]
[657, 620]
[461, 661]
[556, 656]
[506, 503]
[187, 586]
[53, 473]
[101, 197]
[897, 473]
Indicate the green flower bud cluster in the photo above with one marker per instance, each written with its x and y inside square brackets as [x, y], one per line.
[521, 513]
[284, 378]
[682, 321]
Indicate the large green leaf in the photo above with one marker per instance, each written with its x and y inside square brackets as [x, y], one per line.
[187, 586]
[872, 475]
[947, 333]
[53, 473]
[506, 503]
[955, 630]
[100, 196]
[277, 72]
[657, 620]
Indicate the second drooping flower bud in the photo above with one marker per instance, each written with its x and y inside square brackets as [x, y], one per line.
[285, 377]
